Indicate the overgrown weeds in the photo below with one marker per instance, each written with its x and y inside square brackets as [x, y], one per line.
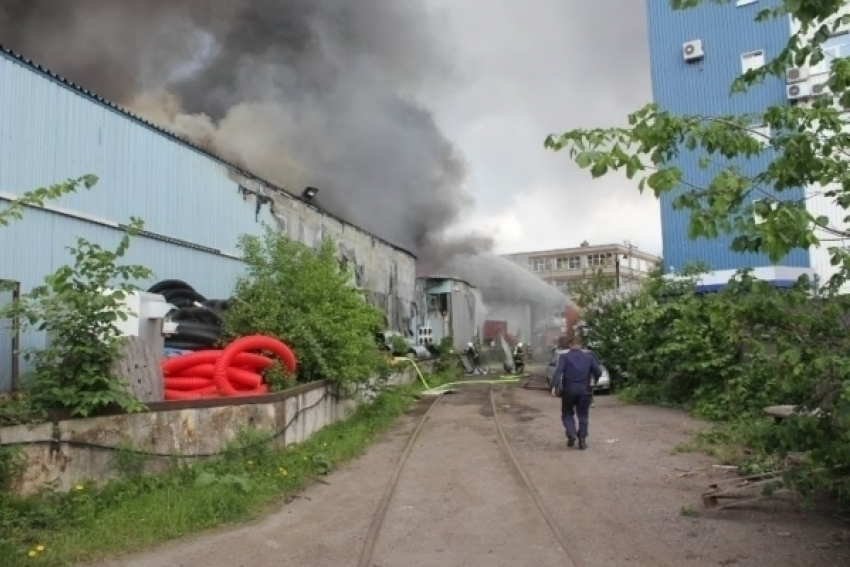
[727, 356]
[53, 529]
[79, 307]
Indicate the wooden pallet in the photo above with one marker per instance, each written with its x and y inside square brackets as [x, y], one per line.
[738, 491]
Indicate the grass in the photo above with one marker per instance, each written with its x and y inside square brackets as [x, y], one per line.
[735, 443]
[726, 442]
[689, 512]
[57, 529]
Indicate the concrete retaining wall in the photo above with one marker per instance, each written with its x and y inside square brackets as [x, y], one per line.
[65, 451]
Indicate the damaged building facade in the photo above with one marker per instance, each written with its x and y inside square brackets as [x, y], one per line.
[512, 302]
[194, 205]
[452, 308]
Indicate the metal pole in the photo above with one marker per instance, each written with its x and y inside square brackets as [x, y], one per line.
[617, 270]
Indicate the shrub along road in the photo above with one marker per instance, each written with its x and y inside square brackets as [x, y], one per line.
[631, 499]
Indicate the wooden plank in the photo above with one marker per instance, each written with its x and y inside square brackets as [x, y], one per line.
[710, 498]
[747, 479]
[746, 500]
[139, 365]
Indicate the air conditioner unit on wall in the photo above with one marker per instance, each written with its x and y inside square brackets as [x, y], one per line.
[821, 89]
[796, 75]
[692, 50]
[799, 91]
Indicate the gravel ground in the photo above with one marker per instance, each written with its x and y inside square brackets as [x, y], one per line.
[459, 502]
[622, 499]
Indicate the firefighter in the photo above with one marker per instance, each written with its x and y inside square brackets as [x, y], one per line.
[473, 355]
[519, 358]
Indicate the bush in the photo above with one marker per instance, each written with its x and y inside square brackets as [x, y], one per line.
[399, 346]
[75, 371]
[750, 346]
[728, 355]
[304, 298]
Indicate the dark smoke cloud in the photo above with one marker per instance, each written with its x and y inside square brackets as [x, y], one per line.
[303, 92]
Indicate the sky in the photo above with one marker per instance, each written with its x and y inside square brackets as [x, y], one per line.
[528, 69]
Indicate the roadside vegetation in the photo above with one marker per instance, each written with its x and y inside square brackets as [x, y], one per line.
[290, 291]
[304, 295]
[726, 356]
[55, 529]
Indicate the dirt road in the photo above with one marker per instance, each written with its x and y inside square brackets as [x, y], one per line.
[459, 502]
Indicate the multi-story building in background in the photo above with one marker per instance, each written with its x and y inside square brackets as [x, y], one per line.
[695, 56]
[565, 266]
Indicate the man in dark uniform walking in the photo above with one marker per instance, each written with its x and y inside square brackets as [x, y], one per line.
[574, 377]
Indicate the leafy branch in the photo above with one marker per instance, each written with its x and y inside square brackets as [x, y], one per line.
[38, 197]
[78, 307]
[750, 172]
[728, 355]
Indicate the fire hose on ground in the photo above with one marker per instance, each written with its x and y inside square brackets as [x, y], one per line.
[448, 387]
[234, 371]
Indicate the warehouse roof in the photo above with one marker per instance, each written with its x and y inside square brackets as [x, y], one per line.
[135, 118]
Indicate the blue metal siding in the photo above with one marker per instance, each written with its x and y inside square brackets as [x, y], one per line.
[50, 130]
[37, 245]
[704, 88]
[48, 133]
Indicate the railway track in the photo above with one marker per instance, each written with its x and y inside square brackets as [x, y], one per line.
[367, 555]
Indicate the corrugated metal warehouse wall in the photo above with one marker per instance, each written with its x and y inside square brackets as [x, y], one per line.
[464, 314]
[703, 88]
[193, 204]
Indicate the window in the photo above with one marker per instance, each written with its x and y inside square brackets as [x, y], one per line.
[752, 60]
[569, 263]
[540, 264]
[834, 48]
[594, 260]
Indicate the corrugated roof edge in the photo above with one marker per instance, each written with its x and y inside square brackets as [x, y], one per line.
[8, 53]
[442, 277]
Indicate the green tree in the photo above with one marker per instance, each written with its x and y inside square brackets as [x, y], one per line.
[808, 147]
[76, 370]
[303, 297]
[750, 345]
[593, 288]
[78, 307]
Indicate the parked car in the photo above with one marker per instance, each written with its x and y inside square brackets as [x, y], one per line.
[602, 385]
[385, 343]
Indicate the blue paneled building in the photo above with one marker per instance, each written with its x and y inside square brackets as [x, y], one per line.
[695, 56]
